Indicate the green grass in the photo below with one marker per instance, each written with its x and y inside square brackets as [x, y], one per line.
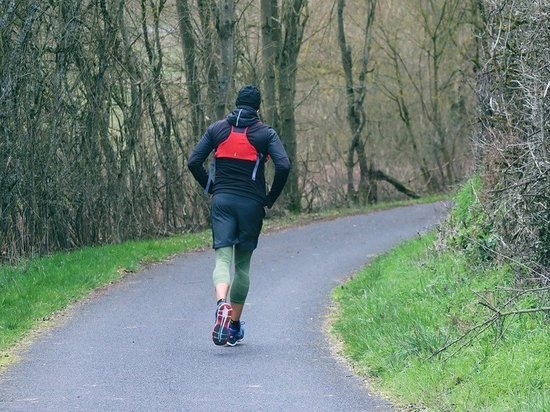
[33, 290]
[409, 303]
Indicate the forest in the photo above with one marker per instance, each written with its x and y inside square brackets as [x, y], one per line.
[102, 100]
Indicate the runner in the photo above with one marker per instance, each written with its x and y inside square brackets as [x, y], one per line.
[241, 144]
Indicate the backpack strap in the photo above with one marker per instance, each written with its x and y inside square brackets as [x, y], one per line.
[211, 174]
[256, 165]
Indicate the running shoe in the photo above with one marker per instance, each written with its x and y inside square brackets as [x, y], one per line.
[220, 334]
[235, 336]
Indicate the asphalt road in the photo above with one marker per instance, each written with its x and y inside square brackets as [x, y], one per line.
[145, 343]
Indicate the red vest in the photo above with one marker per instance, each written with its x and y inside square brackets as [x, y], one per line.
[237, 146]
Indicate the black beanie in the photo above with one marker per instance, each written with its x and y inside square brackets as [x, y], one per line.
[249, 96]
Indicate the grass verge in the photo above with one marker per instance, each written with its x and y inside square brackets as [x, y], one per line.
[31, 291]
[409, 303]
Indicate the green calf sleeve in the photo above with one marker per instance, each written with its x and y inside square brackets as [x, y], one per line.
[239, 288]
[222, 270]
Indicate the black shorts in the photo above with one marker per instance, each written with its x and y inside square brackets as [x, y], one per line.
[236, 221]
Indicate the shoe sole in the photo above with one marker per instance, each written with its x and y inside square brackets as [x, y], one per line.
[233, 344]
[220, 334]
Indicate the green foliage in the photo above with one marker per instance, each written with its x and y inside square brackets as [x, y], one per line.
[408, 304]
[468, 227]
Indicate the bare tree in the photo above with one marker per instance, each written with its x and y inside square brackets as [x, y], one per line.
[440, 23]
[90, 150]
[271, 40]
[355, 98]
[396, 92]
[208, 49]
[225, 22]
[216, 43]
[434, 80]
[206, 45]
[189, 45]
[283, 32]
[356, 113]
[94, 102]
[514, 89]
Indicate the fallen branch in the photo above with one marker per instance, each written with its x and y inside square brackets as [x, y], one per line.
[453, 342]
[485, 324]
[521, 311]
[380, 175]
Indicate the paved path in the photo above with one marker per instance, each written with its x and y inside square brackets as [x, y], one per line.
[145, 345]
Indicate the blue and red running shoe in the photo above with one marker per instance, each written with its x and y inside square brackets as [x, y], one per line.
[235, 335]
[220, 334]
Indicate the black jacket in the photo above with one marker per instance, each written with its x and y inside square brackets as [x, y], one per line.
[235, 175]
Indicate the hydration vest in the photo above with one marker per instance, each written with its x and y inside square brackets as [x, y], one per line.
[236, 146]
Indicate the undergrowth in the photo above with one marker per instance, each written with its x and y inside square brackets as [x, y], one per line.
[34, 289]
[438, 324]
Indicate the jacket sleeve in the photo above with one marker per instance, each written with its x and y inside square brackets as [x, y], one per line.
[197, 158]
[282, 167]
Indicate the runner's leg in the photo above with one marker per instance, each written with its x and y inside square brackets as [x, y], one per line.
[241, 282]
[222, 271]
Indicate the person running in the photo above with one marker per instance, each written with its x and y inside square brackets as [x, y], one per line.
[241, 144]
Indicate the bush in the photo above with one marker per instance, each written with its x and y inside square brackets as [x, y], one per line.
[515, 116]
[468, 227]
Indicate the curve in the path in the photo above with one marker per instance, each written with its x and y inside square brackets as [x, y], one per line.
[144, 344]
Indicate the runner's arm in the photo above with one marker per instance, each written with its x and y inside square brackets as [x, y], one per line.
[196, 160]
[281, 161]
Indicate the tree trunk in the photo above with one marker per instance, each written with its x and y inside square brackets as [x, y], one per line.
[270, 45]
[294, 20]
[225, 24]
[356, 115]
[206, 9]
[282, 40]
[379, 175]
[189, 48]
[398, 97]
